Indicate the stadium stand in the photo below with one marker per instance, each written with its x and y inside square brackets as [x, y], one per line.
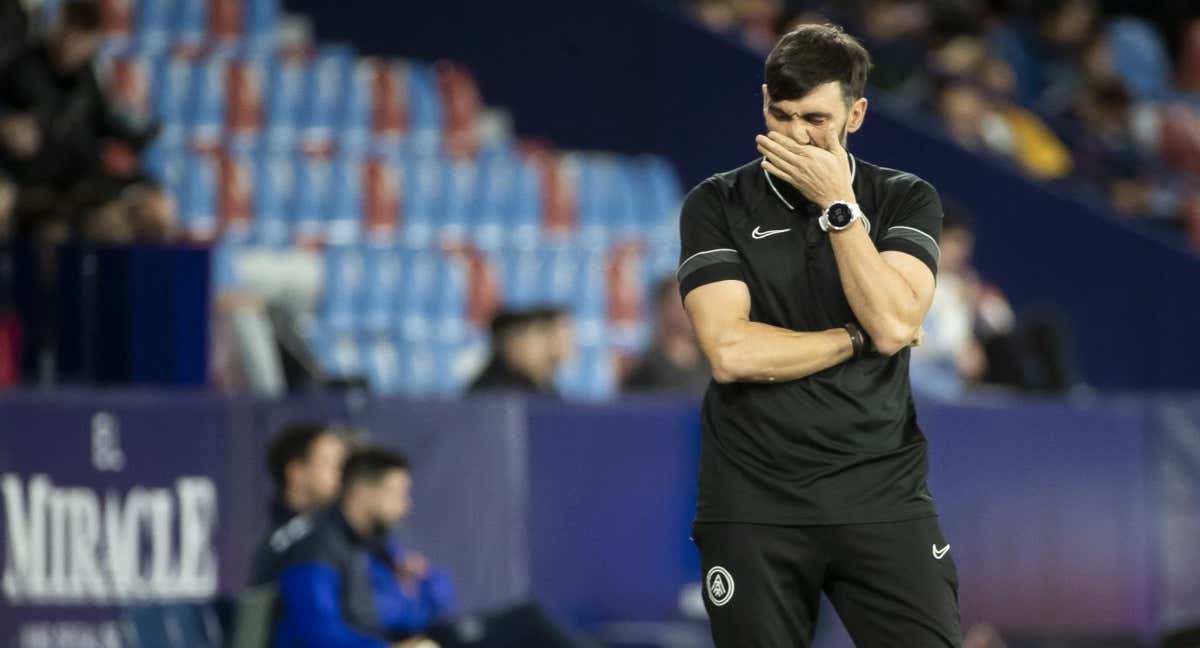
[412, 193]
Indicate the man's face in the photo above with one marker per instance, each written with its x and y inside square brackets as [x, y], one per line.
[824, 107]
[319, 476]
[392, 499]
[325, 461]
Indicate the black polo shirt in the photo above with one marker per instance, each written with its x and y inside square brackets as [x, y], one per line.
[842, 445]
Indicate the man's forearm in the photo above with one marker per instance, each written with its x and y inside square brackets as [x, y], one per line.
[756, 352]
[884, 303]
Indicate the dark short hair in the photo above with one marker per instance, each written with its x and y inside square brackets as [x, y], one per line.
[813, 55]
[548, 314]
[506, 322]
[293, 443]
[81, 15]
[956, 216]
[370, 465]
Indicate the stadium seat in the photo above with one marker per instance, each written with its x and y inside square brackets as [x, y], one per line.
[343, 221]
[416, 295]
[423, 198]
[345, 282]
[274, 187]
[190, 24]
[325, 82]
[171, 95]
[314, 184]
[262, 147]
[384, 266]
[198, 203]
[461, 199]
[154, 24]
[206, 102]
[286, 78]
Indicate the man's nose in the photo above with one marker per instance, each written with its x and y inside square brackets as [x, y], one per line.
[800, 134]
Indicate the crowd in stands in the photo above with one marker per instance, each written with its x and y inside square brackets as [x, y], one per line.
[368, 217]
[69, 155]
[1102, 97]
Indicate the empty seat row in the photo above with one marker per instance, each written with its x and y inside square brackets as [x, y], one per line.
[274, 198]
[161, 24]
[307, 103]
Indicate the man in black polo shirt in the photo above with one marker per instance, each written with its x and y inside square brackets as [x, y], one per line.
[806, 274]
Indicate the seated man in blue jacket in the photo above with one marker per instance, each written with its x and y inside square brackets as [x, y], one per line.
[345, 585]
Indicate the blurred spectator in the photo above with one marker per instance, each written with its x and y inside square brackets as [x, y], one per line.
[305, 462]
[950, 357]
[973, 337]
[68, 150]
[976, 103]
[258, 345]
[527, 349]
[1065, 90]
[345, 583]
[674, 362]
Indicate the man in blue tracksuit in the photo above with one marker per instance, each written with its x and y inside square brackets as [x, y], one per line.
[345, 585]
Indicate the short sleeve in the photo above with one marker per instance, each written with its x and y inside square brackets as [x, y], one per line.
[706, 251]
[917, 226]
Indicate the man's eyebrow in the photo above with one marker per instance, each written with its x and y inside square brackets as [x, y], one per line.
[812, 114]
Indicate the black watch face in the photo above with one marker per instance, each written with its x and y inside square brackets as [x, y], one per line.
[840, 215]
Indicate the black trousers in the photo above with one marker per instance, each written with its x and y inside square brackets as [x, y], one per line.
[894, 584]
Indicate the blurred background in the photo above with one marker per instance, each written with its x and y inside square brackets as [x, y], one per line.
[451, 229]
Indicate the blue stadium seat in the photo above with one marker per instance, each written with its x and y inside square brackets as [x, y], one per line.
[424, 102]
[423, 198]
[170, 91]
[314, 182]
[274, 190]
[663, 196]
[520, 271]
[345, 283]
[190, 24]
[461, 205]
[343, 221]
[286, 80]
[261, 18]
[418, 369]
[324, 85]
[384, 266]
[206, 102]
[496, 192]
[381, 362]
[198, 199]
[590, 301]
[525, 219]
[560, 273]
[354, 118]
[416, 295]
[449, 307]
[154, 24]
[589, 375]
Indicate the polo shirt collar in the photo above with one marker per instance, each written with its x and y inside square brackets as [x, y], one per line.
[791, 196]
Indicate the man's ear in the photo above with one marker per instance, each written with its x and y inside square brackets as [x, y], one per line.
[858, 112]
[766, 97]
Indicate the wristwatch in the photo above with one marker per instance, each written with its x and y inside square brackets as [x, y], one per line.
[841, 214]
